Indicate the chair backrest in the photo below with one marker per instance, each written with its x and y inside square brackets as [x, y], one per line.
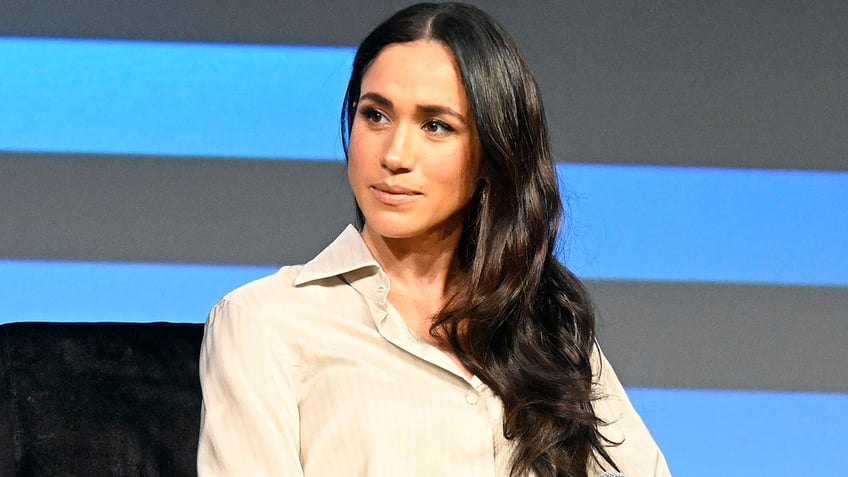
[117, 399]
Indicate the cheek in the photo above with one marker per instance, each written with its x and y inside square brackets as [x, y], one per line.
[355, 171]
[460, 172]
[357, 154]
[354, 144]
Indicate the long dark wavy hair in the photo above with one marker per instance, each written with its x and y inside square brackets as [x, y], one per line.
[522, 322]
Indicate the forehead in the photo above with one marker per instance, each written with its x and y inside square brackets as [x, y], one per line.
[419, 71]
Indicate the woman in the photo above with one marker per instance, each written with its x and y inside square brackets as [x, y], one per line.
[443, 337]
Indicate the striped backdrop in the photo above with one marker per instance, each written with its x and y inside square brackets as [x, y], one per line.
[155, 155]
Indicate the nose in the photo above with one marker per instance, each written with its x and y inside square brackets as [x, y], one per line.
[398, 152]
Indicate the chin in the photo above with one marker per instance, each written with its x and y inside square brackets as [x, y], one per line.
[406, 228]
[393, 228]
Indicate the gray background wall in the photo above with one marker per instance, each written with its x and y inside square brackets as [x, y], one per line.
[740, 84]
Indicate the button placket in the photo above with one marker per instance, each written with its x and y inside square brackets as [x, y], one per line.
[380, 294]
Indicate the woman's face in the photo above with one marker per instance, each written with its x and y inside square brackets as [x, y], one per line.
[413, 157]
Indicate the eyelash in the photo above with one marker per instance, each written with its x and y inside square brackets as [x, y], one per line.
[372, 115]
[440, 124]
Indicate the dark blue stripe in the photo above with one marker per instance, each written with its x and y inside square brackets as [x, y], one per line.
[121, 97]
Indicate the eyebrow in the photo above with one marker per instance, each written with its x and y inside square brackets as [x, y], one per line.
[430, 109]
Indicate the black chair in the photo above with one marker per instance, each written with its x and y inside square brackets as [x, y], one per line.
[111, 399]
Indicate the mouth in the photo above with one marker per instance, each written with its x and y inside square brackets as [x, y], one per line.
[393, 194]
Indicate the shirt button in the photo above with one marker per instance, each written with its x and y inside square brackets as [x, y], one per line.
[471, 397]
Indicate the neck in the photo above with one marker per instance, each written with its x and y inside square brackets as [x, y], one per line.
[421, 262]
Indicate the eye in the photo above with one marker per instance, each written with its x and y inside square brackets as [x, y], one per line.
[373, 115]
[437, 127]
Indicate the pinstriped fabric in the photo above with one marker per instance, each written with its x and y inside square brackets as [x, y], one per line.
[311, 372]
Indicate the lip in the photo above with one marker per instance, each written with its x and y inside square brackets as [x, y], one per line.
[393, 194]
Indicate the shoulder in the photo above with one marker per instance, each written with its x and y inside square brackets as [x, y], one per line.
[285, 292]
[299, 305]
[264, 293]
[268, 316]
[243, 313]
[276, 300]
[282, 309]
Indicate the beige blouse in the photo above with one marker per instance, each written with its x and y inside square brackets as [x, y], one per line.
[311, 372]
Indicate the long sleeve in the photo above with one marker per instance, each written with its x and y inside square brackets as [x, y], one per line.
[638, 454]
[249, 418]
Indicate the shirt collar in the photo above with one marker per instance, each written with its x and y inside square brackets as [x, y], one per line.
[345, 254]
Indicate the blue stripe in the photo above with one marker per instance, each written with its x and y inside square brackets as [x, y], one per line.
[74, 291]
[123, 97]
[707, 433]
[716, 225]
